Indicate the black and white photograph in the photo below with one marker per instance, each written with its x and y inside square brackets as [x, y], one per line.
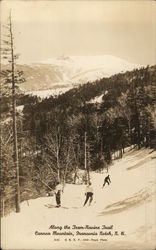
[78, 124]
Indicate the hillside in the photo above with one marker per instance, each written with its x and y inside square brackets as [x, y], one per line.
[128, 204]
[57, 135]
[66, 72]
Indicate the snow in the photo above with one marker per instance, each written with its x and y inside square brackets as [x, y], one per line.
[49, 92]
[128, 204]
[90, 61]
[81, 69]
[20, 108]
[97, 99]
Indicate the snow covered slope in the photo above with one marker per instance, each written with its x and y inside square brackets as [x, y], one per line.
[127, 206]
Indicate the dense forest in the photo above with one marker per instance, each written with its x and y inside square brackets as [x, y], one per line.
[61, 135]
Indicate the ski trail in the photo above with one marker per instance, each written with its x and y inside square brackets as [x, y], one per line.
[128, 204]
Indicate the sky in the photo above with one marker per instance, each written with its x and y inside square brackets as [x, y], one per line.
[46, 29]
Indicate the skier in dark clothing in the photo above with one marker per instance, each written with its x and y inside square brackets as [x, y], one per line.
[89, 194]
[106, 180]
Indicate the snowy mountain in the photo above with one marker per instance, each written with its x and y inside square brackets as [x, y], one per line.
[62, 73]
[80, 69]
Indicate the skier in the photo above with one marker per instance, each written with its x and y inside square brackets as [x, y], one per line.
[106, 180]
[89, 193]
[58, 190]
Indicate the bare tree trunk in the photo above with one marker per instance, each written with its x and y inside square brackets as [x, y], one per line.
[64, 177]
[58, 149]
[58, 165]
[3, 207]
[75, 174]
[76, 167]
[14, 124]
[86, 166]
[107, 167]
[129, 128]
[120, 152]
[88, 174]
[137, 119]
[85, 159]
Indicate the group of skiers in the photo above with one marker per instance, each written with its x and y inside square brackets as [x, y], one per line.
[89, 191]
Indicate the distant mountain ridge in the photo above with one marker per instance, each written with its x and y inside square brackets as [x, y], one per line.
[80, 69]
[67, 72]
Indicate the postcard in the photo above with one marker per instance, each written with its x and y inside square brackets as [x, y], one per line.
[78, 124]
